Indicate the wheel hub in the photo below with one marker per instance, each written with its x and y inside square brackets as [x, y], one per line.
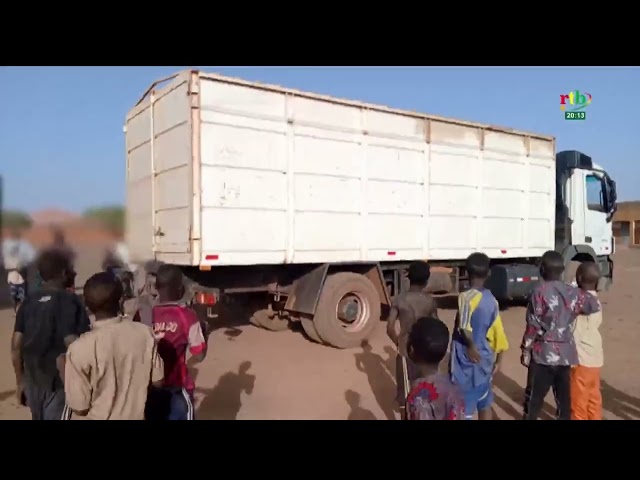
[349, 309]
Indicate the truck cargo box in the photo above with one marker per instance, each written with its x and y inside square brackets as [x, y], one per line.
[222, 171]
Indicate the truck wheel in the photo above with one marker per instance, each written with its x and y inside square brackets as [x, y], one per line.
[570, 272]
[348, 310]
[310, 329]
[261, 318]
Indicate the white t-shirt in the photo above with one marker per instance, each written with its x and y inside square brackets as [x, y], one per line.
[122, 253]
[16, 255]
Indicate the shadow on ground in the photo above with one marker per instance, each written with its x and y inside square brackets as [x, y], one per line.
[357, 412]
[223, 402]
[5, 395]
[619, 403]
[381, 381]
[515, 393]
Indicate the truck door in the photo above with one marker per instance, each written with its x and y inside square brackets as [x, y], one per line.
[171, 164]
[597, 228]
[159, 160]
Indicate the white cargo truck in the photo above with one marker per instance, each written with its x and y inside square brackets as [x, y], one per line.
[309, 208]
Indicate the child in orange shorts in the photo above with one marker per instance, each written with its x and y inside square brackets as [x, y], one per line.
[586, 399]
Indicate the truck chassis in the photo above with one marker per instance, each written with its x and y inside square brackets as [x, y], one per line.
[340, 304]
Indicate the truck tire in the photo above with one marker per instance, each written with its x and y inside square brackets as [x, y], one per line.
[569, 275]
[348, 310]
[439, 282]
[310, 329]
[261, 318]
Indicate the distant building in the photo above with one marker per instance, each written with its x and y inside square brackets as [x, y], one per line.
[77, 230]
[53, 216]
[626, 224]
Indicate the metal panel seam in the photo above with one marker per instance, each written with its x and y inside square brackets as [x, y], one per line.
[195, 237]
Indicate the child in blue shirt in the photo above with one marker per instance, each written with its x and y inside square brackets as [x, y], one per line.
[478, 341]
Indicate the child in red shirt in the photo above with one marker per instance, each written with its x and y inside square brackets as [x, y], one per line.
[177, 331]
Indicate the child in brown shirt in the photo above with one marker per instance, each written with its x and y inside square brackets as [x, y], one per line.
[108, 370]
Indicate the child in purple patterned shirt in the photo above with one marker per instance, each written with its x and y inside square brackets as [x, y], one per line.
[432, 396]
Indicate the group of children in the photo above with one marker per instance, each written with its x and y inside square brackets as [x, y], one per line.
[113, 368]
[107, 367]
[561, 346]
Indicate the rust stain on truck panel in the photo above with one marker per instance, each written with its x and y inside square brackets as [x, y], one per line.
[442, 132]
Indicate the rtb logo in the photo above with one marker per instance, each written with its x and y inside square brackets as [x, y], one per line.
[575, 100]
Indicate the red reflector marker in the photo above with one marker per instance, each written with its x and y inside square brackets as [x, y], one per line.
[391, 254]
[206, 299]
[526, 279]
[211, 257]
[503, 251]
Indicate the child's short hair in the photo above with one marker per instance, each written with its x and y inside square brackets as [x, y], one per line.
[102, 293]
[169, 277]
[419, 273]
[551, 265]
[478, 265]
[52, 264]
[428, 340]
[588, 273]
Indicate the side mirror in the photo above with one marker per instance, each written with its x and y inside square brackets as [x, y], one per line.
[606, 194]
[611, 196]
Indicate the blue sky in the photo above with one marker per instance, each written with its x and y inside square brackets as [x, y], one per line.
[61, 140]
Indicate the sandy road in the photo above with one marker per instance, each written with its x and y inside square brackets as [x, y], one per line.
[255, 374]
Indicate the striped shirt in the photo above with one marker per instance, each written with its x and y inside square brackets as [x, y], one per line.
[480, 316]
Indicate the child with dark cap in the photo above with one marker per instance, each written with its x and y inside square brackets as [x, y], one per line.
[406, 308]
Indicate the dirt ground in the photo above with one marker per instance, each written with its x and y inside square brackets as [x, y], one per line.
[255, 374]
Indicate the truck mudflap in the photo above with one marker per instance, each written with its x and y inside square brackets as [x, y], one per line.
[513, 281]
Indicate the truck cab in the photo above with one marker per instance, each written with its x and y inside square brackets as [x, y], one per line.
[586, 200]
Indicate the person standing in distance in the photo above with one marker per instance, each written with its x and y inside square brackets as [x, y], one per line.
[17, 255]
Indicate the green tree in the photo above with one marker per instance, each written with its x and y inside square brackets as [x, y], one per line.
[110, 217]
[15, 219]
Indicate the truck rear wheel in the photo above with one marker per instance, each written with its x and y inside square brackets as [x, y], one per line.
[261, 318]
[570, 271]
[348, 310]
[310, 329]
